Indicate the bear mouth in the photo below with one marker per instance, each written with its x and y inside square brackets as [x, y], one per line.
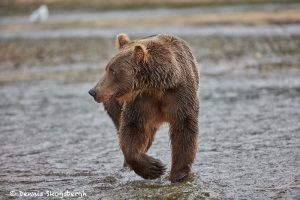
[104, 98]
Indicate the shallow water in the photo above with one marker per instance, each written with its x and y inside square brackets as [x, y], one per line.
[54, 137]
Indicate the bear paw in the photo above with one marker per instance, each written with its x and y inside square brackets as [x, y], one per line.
[155, 170]
[179, 176]
[148, 167]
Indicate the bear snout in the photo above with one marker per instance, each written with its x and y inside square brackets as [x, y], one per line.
[92, 92]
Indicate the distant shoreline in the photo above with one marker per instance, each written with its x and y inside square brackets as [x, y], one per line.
[25, 7]
[238, 20]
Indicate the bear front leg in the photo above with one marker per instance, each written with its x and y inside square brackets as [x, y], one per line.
[151, 135]
[136, 137]
[184, 141]
[134, 143]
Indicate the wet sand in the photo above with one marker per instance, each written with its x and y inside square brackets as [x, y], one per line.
[55, 137]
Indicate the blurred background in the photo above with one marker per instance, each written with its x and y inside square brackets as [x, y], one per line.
[53, 136]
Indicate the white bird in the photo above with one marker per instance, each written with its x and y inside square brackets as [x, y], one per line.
[40, 14]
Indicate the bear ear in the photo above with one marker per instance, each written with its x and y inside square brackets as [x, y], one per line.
[122, 39]
[140, 53]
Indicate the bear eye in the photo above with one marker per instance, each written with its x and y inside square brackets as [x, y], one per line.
[112, 71]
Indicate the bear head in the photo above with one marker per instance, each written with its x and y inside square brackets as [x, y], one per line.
[138, 65]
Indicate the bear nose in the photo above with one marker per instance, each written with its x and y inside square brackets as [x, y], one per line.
[92, 92]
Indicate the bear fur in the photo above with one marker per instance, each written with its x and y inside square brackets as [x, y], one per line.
[148, 82]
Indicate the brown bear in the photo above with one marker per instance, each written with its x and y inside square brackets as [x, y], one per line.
[148, 82]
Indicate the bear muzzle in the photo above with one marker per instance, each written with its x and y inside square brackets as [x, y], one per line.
[100, 98]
